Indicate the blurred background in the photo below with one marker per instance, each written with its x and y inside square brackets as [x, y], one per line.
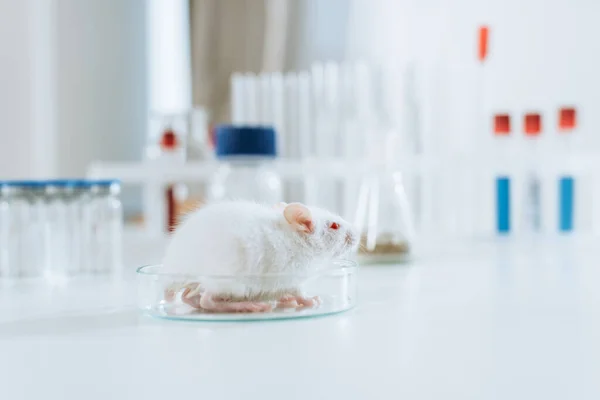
[443, 118]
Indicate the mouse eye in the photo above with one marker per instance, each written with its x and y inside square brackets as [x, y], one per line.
[334, 225]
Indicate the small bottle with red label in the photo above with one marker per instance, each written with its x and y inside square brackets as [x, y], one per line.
[167, 139]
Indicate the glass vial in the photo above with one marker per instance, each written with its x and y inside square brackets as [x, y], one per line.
[105, 227]
[32, 218]
[56, 231]
[9, 238]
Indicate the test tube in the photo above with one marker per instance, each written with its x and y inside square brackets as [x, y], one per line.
[252, 102]
[278, 110]
[305, 133]
[329, 139]
[291, 107]
[503, 222]
[238, 110]
[266, 105]
[566, 188]
[550, 203]
[352, 137]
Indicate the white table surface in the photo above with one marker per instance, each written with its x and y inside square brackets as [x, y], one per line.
[485, 321]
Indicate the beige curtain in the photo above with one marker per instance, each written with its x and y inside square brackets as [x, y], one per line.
[234, 36]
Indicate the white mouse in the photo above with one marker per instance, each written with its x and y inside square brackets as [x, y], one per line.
[263, 253]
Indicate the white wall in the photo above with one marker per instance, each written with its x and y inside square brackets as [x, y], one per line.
[15, 85]
[98, 65]
[102, 87]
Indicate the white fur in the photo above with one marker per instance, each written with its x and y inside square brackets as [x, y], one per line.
[250, 242]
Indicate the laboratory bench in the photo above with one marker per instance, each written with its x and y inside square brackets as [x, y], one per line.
[496, 319]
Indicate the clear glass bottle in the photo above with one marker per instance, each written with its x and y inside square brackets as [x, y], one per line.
[7, 252]
[33, 219]
[246, 169]
[14, 208]
[22, 229]
[57, 229]
[105, 225]
[75, 197]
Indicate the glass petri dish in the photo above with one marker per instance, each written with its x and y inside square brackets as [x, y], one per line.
[177, 296]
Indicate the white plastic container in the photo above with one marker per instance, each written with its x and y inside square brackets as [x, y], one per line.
[160, 293]
[245, 155]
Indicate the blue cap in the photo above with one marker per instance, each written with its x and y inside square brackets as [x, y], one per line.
[73, 183]
[105, 182]
[25, 184]
[245, 141]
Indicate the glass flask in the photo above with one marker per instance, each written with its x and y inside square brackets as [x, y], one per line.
[383, 214]
[383, 217]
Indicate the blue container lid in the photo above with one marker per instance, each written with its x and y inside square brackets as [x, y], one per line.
[232, 140]
[29, 184]
[104, 182]
[74, 183]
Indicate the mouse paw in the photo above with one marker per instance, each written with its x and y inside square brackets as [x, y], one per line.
[288, 301]
[250, 306]
[309, 301]
[191, 297]
[294, 301]
[188, 293]
[217, 304]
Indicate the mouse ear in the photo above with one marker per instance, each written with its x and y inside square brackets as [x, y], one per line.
[299, 216]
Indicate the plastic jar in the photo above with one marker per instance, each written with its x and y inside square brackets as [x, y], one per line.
[246, 170]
